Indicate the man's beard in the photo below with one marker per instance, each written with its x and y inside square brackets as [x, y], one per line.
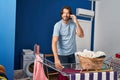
[66, 19]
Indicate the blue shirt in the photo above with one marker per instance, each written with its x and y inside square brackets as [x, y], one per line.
[66, 37]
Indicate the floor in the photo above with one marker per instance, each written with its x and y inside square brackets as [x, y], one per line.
[20, 75]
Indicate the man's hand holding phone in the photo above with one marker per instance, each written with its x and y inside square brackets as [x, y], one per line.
[74, 18]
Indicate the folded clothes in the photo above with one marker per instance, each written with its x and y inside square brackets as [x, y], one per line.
[3, 76]
[3, 73]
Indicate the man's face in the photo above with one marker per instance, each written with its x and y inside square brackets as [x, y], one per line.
[66, 15]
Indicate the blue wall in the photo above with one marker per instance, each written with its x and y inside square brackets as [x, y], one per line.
[7, 35]
[35, 20]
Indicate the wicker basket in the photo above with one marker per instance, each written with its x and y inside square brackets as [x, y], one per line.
[91, 63]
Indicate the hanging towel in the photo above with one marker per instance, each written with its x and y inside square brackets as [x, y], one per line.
[38, 73]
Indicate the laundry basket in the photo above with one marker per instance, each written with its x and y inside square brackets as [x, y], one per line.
[91, 63]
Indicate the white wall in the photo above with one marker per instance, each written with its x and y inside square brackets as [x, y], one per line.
[107, 26]
[84, 43]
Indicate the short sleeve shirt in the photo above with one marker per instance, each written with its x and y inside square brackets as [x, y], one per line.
[66, 37]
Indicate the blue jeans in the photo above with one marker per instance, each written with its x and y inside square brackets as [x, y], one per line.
[67, 59]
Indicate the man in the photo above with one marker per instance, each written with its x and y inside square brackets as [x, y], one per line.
[64, 38]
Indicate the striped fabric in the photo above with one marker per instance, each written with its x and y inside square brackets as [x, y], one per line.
[94, 76]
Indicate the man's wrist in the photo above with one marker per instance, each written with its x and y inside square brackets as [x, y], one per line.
[76, 22]
[56, 56]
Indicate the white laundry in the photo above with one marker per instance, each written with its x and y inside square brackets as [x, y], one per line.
[90, 54]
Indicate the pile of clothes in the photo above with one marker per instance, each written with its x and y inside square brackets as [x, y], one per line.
[91, 54]
[3, 73]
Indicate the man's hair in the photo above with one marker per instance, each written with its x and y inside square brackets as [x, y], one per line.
[66, 7]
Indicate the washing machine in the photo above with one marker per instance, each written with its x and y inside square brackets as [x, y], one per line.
[28, 62]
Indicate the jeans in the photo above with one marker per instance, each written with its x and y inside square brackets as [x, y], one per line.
[67, 60]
